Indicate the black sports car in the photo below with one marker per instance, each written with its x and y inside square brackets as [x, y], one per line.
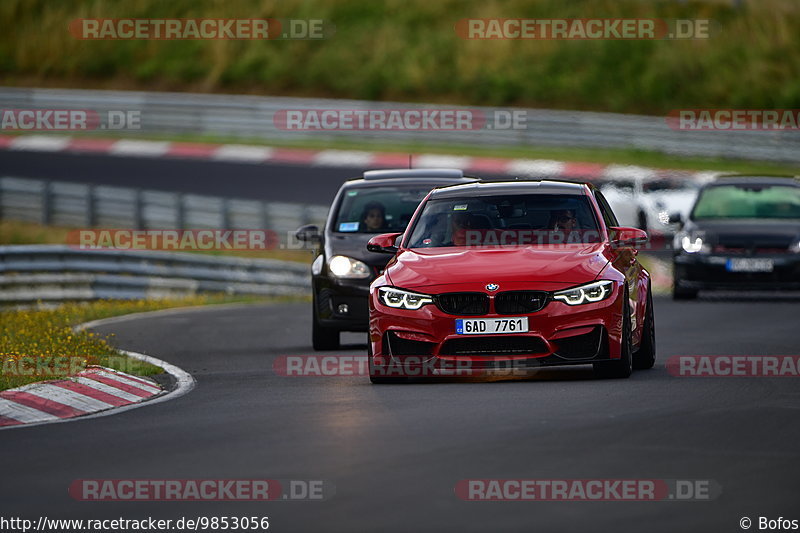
[743, 233]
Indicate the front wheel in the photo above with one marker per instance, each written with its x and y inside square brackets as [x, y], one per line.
[645, 356]
[323, 338]
[642, 221]
[681, 293]
[622, 367]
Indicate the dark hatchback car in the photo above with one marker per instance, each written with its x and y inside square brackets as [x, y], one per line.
[743, 233]
[382, 201]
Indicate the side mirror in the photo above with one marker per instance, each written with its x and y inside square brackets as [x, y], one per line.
[384, 243]
[633, 237]
[308, 233]
[675, 218]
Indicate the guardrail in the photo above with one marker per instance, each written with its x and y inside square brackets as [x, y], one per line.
[252, 117]
[84, 205]
[57, 273]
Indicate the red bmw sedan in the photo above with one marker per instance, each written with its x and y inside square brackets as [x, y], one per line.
[514, 275]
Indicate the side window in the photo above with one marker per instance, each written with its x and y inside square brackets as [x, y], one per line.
[605, 209]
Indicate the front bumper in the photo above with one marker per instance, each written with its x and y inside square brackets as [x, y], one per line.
[559, 334]
[710, 271]
[330, 296]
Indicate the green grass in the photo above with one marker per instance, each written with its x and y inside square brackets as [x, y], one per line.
[40, 344]
[407, 50]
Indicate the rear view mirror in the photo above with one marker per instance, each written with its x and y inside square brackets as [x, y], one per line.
[633, 237]
[308, 233]
[384, 243]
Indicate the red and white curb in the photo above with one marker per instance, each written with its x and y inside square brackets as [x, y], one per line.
[241, 153]
[89, 391]
[92, 393]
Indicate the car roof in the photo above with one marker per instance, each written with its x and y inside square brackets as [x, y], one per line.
[434, 177]
[754, 180]
[520, 186]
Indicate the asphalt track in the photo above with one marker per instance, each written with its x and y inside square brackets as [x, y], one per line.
[261, 181]
[395, 452]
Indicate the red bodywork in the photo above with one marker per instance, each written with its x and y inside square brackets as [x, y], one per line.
[434, 271]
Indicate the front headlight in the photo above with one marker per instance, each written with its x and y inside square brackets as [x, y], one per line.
[400, 299]
[585, 294]
[795, 247]
[347, 267]
[691, 244]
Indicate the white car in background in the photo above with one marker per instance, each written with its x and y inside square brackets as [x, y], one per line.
[652, 204]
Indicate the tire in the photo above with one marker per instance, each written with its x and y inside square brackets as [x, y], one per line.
[681, 293]
[642, 218]
[645, 356]
[623, 367]
[323, 338]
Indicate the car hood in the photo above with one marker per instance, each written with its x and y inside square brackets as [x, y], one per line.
[552, 266]
[354, 245]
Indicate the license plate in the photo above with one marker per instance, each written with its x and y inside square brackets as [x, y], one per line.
[749, 264]
[483, 326]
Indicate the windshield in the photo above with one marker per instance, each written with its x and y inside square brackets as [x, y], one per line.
[505, 220]
[378, 209]
[748, 201]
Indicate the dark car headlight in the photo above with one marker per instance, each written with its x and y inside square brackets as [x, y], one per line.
[585, 294]
[691, 244]
[400, 299]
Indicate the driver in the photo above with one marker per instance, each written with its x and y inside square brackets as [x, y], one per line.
[373, 217]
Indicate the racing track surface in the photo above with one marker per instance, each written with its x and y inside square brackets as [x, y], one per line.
[395, 452]
[262, 181]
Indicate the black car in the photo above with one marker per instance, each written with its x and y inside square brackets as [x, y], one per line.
[382, 201]
[743, 233]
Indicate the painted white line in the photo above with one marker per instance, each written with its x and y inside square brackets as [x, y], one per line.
[243, 153]
[66, 397]
[143, 148]
[108, 389]
[23, 413]
[343, 158]
[40, 143]
[441, 161]
[152, 389]
[536, 167]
